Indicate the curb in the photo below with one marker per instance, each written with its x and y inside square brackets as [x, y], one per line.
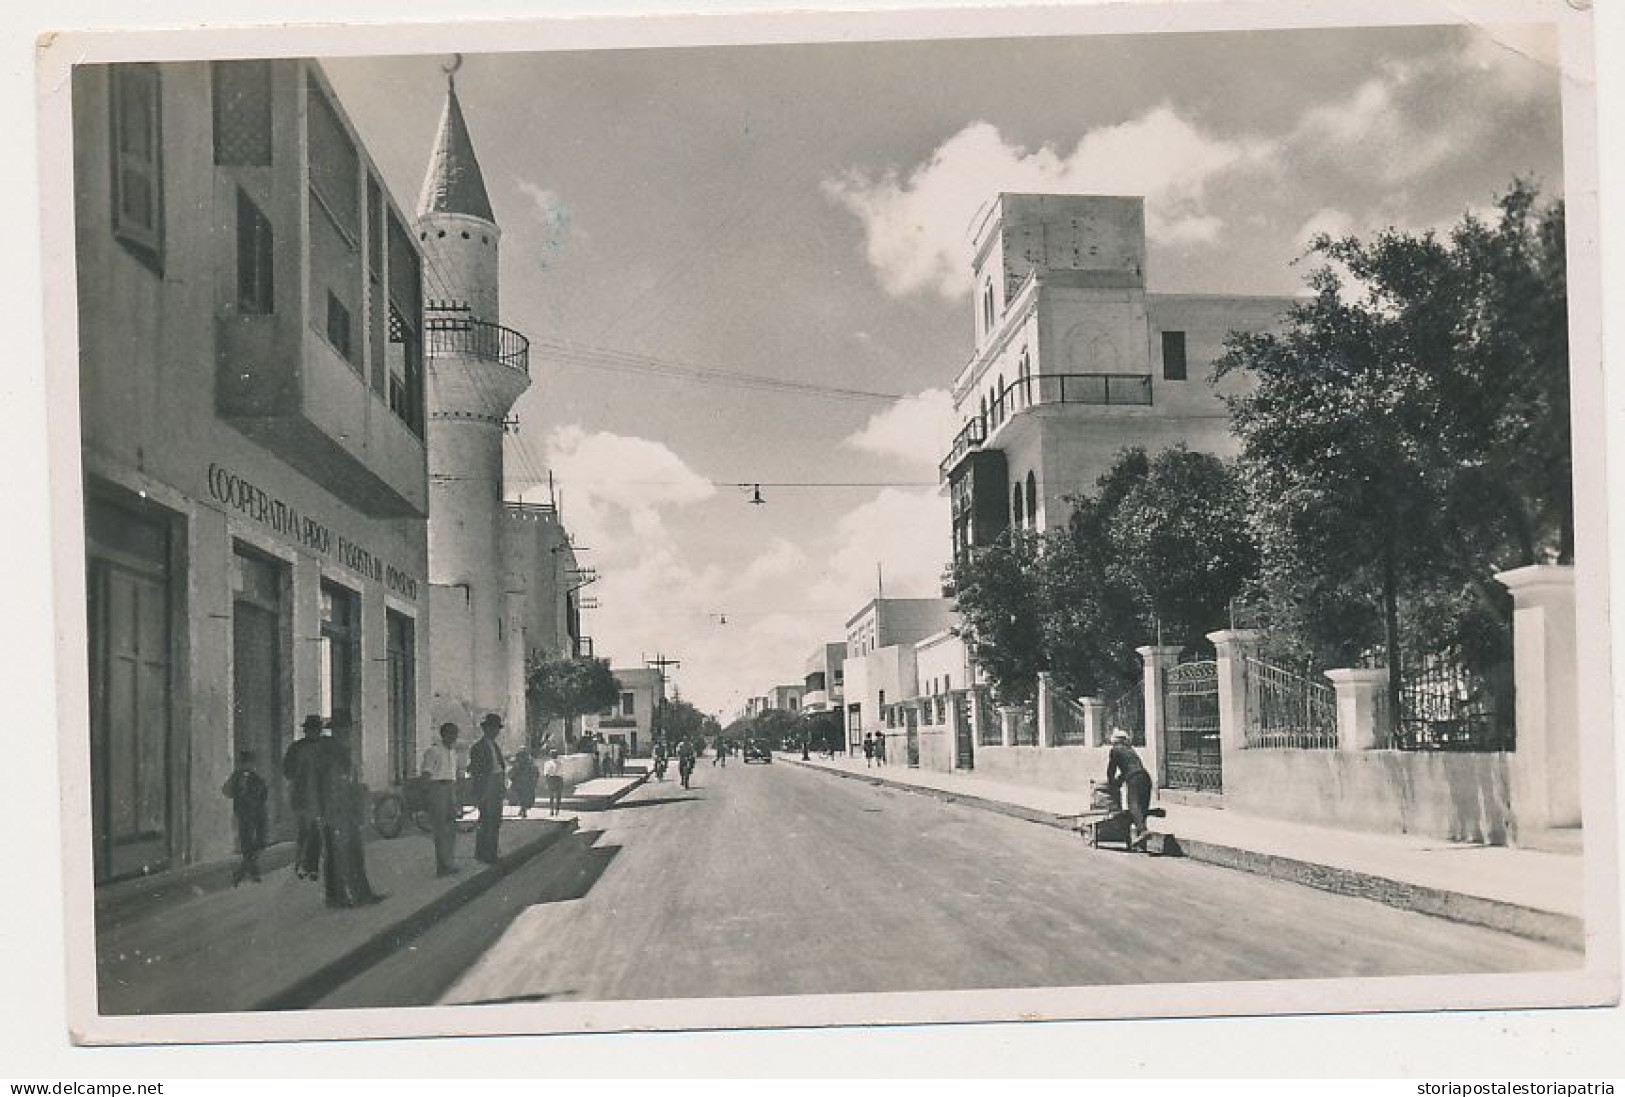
[311, 988]
[599, 803]
[1548, 927]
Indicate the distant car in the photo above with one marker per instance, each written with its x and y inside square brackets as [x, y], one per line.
[757, 752]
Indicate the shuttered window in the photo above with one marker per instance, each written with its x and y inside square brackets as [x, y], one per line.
[138, 185]
[242, 112]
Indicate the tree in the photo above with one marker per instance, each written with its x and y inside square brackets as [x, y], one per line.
[1160, 549]
[1408, 435]
[996, 594]
[564, 687]
[680, 720]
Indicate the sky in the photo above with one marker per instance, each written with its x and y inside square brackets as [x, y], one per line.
[749, 265]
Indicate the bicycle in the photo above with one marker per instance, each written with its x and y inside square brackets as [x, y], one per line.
[391, 808]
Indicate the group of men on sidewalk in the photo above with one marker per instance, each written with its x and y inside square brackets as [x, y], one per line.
[329, 804]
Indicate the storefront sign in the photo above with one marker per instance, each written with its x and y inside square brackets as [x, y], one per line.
[231, 490]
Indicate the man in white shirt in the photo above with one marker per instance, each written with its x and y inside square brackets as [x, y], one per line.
[439, 770]
[553, 779]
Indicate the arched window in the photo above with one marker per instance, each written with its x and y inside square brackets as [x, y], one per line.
[1024, 374]
[984, 415]
[1015, 506]
[998, 400]
[987, 307]
[1032, 500]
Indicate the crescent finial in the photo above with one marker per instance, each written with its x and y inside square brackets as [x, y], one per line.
[451, 70]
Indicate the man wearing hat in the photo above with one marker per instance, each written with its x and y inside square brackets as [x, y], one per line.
[1123, 767]
[302, 767]
[486, 769]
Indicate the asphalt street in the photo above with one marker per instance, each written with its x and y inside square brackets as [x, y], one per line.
[773, 879]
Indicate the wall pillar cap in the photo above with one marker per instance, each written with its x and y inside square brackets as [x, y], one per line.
[1537, 577]
[1234, 636]
[1358, 675]
[1160, 649]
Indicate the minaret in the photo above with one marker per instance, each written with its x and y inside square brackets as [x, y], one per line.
[477, 369]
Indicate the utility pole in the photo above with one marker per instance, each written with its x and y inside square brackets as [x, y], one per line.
[660, 664]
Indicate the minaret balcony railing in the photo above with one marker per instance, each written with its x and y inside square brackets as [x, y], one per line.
[488, 342]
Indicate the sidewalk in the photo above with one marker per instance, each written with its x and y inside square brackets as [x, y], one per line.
[1528, 892]
[189, 942]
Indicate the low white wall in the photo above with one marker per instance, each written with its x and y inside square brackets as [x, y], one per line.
[1069, 769]
[577, 768]
[1457, 796]
[936, 748]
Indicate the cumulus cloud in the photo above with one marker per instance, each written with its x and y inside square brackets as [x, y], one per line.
[916, 430]
[905, 531]
[917, 223]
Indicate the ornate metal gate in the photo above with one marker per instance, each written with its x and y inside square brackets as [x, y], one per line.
[1190, 698]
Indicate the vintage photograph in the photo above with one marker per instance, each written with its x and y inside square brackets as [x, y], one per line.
[764, 522]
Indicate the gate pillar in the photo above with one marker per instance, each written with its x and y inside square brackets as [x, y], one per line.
[1046, 718]
[1546, 758]
[1158, 658]
[1233, 647]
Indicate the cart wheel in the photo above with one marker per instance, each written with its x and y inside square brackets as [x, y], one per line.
[388, 811]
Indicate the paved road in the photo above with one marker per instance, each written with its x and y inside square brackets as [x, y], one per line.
[767, 880]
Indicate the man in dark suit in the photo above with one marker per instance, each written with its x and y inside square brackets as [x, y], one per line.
[486, 769]
[1125, 770]
[302, 767]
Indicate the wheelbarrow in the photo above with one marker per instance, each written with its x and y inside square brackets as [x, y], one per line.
[1107, 821]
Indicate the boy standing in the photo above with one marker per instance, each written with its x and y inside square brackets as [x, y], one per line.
[247, 791]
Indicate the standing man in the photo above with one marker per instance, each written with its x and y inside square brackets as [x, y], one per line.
[880, 748]
[553, 778]
[439, 772]
[302, 768]
[868, 749]
[486, 767]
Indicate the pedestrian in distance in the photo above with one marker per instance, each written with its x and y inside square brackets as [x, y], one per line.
[344, 806]
[1124, 770]
[522, 777]
[486, 767]
[301, 769]
[439, 772]
[868, 749]
[685, 761]
[553, 778]
[248, 794]
[880, 748]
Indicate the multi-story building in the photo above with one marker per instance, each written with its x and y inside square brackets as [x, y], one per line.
[879, 668]
[824, 688]
[634, 719]
[786, 698]
[477, 369]
[1074, 361]
[253, 443]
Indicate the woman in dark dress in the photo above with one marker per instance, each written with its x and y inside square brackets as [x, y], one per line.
[344, 808]
[522, 779]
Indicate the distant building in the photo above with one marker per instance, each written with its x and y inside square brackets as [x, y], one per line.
[544, 616]
[786, 698]
[824, 688]
[634, 718]
[1074, 361]
[253, 443]
[879, 668]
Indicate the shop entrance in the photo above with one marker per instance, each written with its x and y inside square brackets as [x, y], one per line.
[131, 787]
[402, 697]
[258, 715]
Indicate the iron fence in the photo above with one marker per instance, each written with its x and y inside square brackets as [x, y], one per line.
[1192, 760]
[990, 732]
[1288, 710]
[1445, 706]
[1068, 722]
[1127, 711]
[1026, 729]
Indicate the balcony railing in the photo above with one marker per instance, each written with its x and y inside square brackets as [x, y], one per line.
[450, 334]
[1098, 389]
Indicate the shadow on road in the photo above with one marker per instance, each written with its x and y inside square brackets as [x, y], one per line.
[627, 805]
[573, 866]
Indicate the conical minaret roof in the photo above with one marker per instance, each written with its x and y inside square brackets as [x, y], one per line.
[454, 183]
